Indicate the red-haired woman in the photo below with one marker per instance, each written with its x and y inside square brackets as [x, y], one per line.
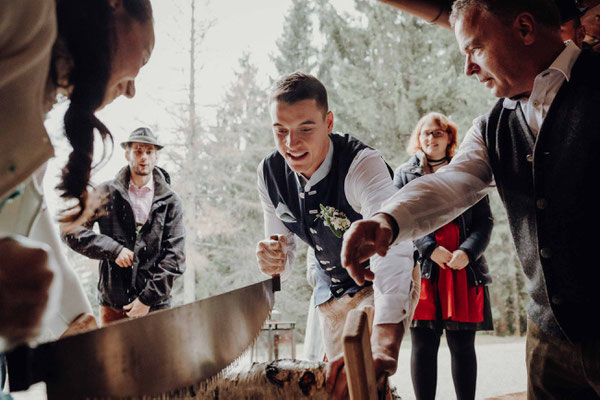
[454, 296]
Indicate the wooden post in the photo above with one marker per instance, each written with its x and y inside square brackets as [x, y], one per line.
[370, 310]
[358, 358]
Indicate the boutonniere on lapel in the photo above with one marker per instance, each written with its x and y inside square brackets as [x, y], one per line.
[334, 219]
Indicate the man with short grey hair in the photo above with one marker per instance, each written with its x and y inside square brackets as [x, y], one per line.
[141, 240]
[537, 145]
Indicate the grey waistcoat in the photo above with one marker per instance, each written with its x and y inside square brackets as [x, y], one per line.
[283, 187]
[546, 186]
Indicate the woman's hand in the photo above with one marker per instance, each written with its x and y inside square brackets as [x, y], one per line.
[25, 280]
[441, 256]
[459, 260]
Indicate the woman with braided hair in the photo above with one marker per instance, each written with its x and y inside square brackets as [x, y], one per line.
[90, 52]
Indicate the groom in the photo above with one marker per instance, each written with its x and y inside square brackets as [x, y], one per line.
[313, 186]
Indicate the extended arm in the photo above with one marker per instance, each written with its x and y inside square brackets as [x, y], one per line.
[427, 246]
[481, 230]
[423, 205]
[427, 203]
[82, 239]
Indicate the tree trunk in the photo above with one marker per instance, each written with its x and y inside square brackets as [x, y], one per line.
[189, 277]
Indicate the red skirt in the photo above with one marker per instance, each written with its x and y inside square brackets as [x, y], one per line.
[451, 293]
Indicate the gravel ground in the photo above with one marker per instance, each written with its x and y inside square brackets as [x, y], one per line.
[501, 370]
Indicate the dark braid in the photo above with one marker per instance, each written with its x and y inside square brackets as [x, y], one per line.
[86, 30]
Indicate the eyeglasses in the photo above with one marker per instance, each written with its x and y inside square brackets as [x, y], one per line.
[436, 134]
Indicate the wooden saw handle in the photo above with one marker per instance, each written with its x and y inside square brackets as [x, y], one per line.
[276, 277]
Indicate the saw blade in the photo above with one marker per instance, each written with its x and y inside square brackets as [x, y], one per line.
[162, 351]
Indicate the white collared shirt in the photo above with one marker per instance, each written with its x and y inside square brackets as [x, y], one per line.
[427, 203]
[545, 88]
[367, 185]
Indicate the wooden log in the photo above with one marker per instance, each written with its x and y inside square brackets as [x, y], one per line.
[358, 358]
[280, 380]
[290, 379]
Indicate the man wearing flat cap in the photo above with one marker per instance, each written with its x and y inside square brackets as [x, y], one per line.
[140, 243]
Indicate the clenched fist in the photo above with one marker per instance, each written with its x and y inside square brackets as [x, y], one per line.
[271, 255]
[125, 258]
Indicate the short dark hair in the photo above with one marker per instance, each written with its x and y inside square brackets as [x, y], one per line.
[545, 12]
[299, 86]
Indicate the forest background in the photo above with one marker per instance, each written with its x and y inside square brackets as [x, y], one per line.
[383, 70]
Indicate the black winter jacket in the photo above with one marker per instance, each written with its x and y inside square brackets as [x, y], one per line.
[159, 249]
[475, 228]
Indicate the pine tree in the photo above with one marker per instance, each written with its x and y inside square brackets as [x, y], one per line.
[186, 152]
[295, 49]
[385, 69]
[227, 200]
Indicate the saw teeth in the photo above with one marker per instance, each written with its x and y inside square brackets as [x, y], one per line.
[197, 389]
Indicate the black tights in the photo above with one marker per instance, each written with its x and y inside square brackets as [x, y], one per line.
[425, 345]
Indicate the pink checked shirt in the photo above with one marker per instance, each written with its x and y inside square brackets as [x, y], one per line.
[141, 200]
